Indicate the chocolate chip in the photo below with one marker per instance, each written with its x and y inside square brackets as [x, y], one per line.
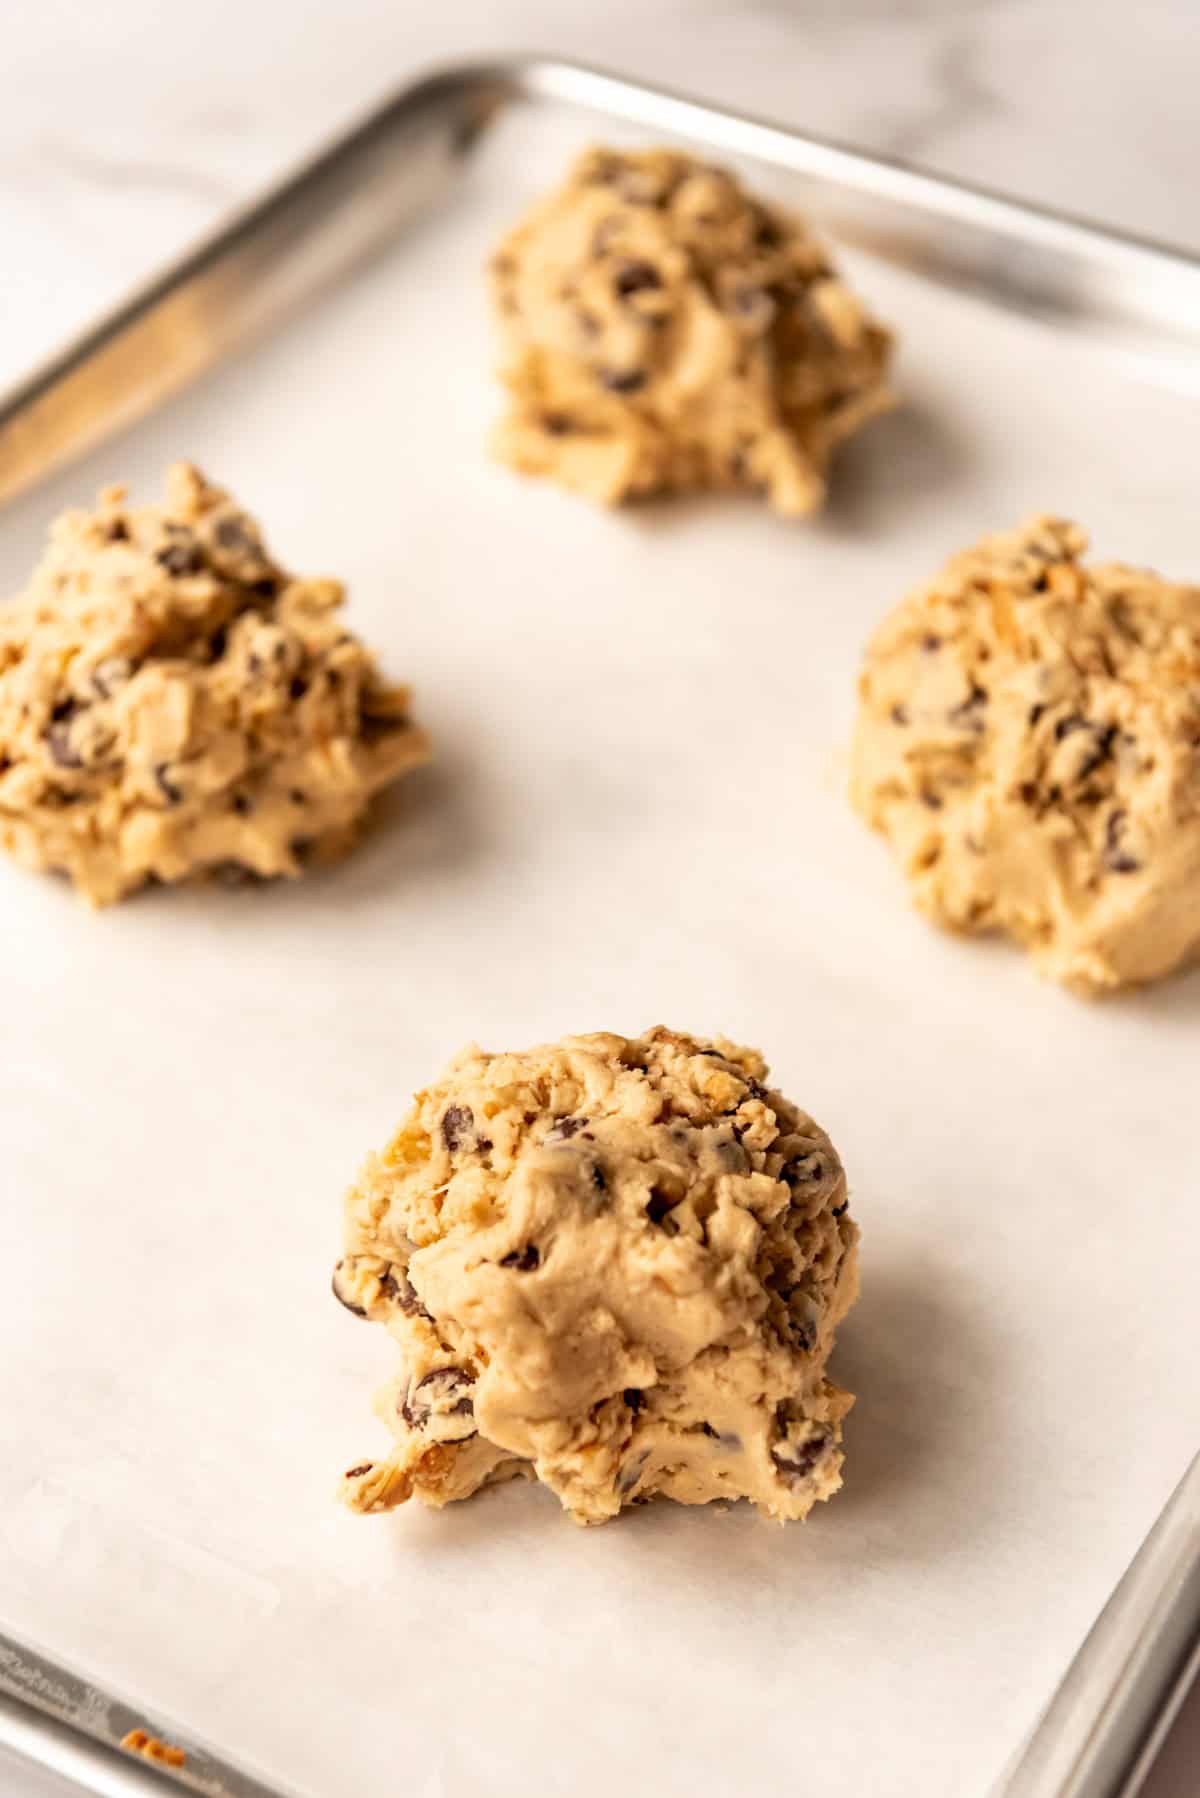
[796, 1461]
[1106, 736]
[524, 1260]
[356, 1473]
[297, 686]
[182, 557]
[633, 1472]
[167, 787]
[635, 1398]
[900, 714]
[563, 1128]
[117, 531]
[658, 1209]
[397, 1285]
[66, 708]
[1035, 713]
[241, 805]
[706, 1429]
[839, 1210]
[628, 380]
[1028, 791]
[235, 532]
[969, 715]
[1116, 859]
[458, 1125]
[438, 1387]
[340, 1296]
[58, 741]
[636, 277]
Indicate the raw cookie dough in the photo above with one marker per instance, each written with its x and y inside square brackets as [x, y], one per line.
[615, 1265]
[172, 701]
[663, 330]
[1029, 739]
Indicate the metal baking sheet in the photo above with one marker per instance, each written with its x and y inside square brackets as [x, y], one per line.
[636, 814]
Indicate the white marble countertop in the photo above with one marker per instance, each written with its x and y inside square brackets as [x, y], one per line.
[128, 129]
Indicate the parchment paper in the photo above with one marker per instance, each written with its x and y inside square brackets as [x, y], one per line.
[636, 815]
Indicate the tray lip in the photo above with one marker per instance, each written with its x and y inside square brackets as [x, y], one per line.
[541, 76]
[537, 76]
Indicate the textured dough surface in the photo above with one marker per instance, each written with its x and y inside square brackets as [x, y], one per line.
[662, 330]
[1029, 740]
[172, 701]
[612, 1264]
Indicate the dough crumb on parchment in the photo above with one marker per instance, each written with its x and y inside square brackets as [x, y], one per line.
[1029, 740]
[173, 702]
[663, 331]
[612, 1264]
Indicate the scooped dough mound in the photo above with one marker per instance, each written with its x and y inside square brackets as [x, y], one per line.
[663, 330]
[612, 1264]
[173, 702]
[1029, 740]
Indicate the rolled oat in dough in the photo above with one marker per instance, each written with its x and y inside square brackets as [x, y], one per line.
[612, 1264]
[1029, 740]
[663, 330]
[172, 702]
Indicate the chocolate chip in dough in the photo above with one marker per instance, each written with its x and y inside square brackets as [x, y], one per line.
[629, 380]
[458, 1126]
[340, 1295]
[1117, 859]
[636, 277]
[796, 1461]
[184, 556]
[525, 1260]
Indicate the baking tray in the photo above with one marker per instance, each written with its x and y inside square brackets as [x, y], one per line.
[636, 813]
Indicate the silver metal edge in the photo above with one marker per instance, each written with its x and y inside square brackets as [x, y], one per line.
[1110, 1715]
[1078, 272]
[66, 1723]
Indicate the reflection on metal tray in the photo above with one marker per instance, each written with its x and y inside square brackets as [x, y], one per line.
[351, 200]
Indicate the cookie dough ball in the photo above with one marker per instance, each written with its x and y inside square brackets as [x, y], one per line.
[663, 331]
[172, 701]
[612, 1264]
[1029, 740]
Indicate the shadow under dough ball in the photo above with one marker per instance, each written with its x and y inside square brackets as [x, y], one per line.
[612, 1264]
